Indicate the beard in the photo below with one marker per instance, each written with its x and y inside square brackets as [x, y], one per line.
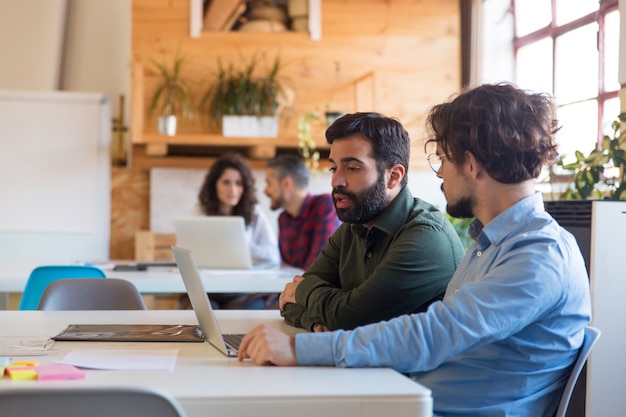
[278, 202]
[366, 204]
[462, 209]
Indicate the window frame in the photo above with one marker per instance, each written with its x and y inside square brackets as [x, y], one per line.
[553, 31]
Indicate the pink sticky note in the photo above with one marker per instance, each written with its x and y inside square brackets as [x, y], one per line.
[58, 371]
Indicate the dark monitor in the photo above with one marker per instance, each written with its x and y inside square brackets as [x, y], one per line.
[575, 216]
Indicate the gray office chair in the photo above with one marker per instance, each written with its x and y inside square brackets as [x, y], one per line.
[91, 294]
[88, 402]
[591, 337]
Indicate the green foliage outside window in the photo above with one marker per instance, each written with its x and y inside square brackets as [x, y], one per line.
[590, 171]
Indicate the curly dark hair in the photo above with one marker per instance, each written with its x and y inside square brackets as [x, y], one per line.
[390, 141]
[510, 131]
[208, 193]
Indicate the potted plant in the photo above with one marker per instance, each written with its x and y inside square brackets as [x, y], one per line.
[590, 172]
[171, 97]
[246, 101]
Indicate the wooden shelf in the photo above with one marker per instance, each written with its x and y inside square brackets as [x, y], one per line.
[201, 150]
[216, 140]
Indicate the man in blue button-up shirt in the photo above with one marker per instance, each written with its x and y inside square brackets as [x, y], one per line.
[504, 338]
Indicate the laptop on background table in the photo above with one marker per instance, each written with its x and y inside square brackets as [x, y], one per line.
[217, 242]
[227, 344]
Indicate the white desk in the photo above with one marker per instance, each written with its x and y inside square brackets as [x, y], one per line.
[206, 383]
[163, 280]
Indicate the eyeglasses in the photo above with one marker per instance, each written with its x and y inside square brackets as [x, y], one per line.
[435, 161]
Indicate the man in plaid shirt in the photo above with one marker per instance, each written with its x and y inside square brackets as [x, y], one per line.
[307, 220]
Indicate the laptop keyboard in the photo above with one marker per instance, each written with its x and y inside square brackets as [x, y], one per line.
[234, 340]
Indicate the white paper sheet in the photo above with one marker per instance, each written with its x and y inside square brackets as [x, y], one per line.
[122, 359]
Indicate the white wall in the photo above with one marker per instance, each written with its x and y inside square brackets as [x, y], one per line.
[98, 49]
[95, 58]
[33, 63]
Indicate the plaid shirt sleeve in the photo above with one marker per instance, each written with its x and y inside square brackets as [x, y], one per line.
[324, 224]
[302, 238]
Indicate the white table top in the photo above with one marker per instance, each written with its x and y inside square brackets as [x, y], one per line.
[207, 383]
[166, 280]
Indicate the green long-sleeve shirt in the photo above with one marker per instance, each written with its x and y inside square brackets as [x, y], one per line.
[398, 267]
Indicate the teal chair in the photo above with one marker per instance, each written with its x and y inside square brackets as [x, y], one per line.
[41, 276]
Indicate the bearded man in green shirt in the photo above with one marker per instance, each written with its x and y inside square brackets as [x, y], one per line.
[394, 254]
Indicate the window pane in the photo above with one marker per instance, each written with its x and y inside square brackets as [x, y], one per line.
[579, 128]
[576, 73]
[611, 51]
[610, 113]
[534, 66]
[531, 15]
[569, 10]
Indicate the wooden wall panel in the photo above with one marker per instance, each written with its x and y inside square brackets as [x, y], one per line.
[410, 48]
[130, 209]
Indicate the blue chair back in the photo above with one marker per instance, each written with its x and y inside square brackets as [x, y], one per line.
[41, 276]
[591, 337]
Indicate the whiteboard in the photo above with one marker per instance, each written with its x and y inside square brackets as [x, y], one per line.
[54, 176]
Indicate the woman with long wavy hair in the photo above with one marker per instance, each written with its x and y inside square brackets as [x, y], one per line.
[229, 190]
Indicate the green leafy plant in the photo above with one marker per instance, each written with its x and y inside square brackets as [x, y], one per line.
[306, 144]
[461, 226]
[254, 89]
[172, 94]
[589, 170]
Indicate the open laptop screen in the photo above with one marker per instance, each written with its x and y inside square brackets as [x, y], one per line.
[217, 242]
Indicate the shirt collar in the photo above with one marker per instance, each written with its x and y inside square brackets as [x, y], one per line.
[504, 223]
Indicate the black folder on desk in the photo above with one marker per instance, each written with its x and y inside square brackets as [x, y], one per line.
[142, 266]
[131, 333]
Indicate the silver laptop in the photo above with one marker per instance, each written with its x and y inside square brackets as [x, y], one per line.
[227, 344]
[217, 242]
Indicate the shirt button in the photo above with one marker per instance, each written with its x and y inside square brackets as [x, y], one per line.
[457, 290]
[479, 253]
[369, 254]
